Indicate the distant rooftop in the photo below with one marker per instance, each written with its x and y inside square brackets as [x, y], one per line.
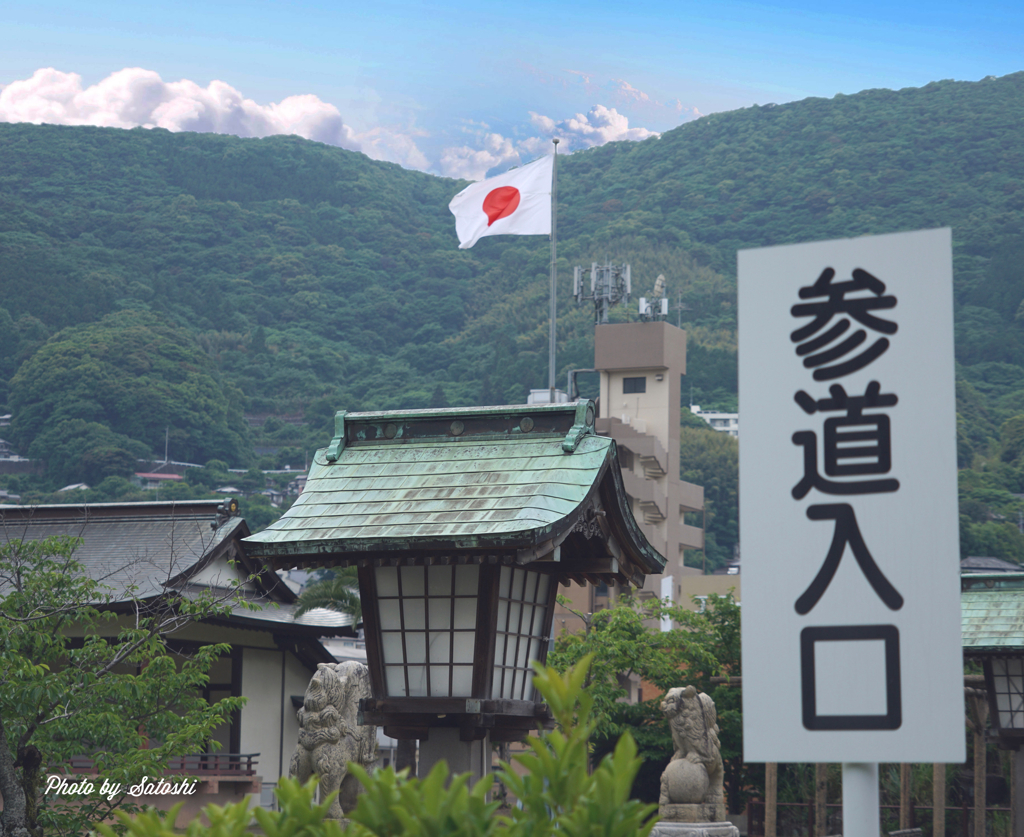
[982, 564]
[143, 550]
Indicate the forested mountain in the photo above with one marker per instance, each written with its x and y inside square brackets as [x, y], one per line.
[287, 278]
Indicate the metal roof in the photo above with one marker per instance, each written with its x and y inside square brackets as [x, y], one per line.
[460, 480]
[992, 613]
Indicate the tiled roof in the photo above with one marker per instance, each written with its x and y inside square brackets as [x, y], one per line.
[134, 549]
[455, 493]
[129, 547]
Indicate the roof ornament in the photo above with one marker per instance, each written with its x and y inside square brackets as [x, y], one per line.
[337, 444]
[583, 426]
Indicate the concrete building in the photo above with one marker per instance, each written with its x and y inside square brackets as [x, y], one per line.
[641, 365]
[722, 422]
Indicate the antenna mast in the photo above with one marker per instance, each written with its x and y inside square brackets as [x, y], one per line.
[609, 284]
[656, 308]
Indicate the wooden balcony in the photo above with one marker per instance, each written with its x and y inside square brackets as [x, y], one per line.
[202, 765]
[211, 769]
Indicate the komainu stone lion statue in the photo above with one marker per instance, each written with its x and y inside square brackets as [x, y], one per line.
[329, 735]
[691, 786]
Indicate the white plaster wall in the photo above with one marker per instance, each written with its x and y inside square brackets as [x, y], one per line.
[296, 679]
[261, 717]
[219, 573]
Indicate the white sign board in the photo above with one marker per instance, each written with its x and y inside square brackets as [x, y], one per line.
[848, 502]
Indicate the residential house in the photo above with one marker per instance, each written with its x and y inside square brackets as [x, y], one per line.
[153, 481]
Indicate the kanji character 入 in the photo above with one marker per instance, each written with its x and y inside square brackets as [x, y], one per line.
[846, 532]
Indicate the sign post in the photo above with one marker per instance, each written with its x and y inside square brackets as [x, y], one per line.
[851, 596]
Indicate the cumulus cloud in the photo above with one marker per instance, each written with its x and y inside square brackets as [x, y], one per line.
[136, 97]
[474, 163]
[602, 124]
[393, 146]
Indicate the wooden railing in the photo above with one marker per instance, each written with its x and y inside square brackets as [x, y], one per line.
[199, 764]
[797, 818]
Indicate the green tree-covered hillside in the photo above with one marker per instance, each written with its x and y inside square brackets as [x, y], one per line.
[311, 278]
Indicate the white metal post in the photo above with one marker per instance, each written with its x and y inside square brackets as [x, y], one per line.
[861, 812]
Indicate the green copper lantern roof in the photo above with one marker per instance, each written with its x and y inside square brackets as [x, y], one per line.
[992, 608]
[507, 483]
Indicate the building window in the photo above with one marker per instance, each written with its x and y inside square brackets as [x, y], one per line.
[634, 385]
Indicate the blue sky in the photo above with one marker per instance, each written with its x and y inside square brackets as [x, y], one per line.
[463, 88]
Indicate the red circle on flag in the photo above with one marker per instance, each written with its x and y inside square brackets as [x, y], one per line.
[500, 203]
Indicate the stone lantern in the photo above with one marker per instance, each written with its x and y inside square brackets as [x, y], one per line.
[462, 523]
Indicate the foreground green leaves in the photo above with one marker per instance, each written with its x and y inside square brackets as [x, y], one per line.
[556, 793]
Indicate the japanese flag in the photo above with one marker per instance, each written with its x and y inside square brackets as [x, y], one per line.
[515, 203]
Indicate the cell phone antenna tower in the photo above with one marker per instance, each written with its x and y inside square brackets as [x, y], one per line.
[609, 285]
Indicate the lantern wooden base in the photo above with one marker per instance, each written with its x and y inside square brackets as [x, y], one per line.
[502, 720]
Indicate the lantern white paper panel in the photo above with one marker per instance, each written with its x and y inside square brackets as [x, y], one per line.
[428, 629]
[522, 605]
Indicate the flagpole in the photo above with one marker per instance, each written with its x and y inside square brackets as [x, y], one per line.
[554, 274]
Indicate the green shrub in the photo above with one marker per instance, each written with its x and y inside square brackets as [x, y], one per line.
[556, 793]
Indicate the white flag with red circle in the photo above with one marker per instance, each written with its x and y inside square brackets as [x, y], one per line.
[515, 203]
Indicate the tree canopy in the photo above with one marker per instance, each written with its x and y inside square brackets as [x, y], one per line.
[625, 641]
[139, 379]
[117, 696]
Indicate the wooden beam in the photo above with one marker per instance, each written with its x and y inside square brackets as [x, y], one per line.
[976, 718]
[905, 789]
[938, 799]
[820, 800]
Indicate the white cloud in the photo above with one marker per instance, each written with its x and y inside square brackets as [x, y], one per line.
[474, 163]
[628, 91]
[584, 77]
[133, 96]
[393, 146]
[691, 111]
[602, 124]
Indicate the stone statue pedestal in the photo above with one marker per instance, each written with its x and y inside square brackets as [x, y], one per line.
[692, 812]
[667, 828]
